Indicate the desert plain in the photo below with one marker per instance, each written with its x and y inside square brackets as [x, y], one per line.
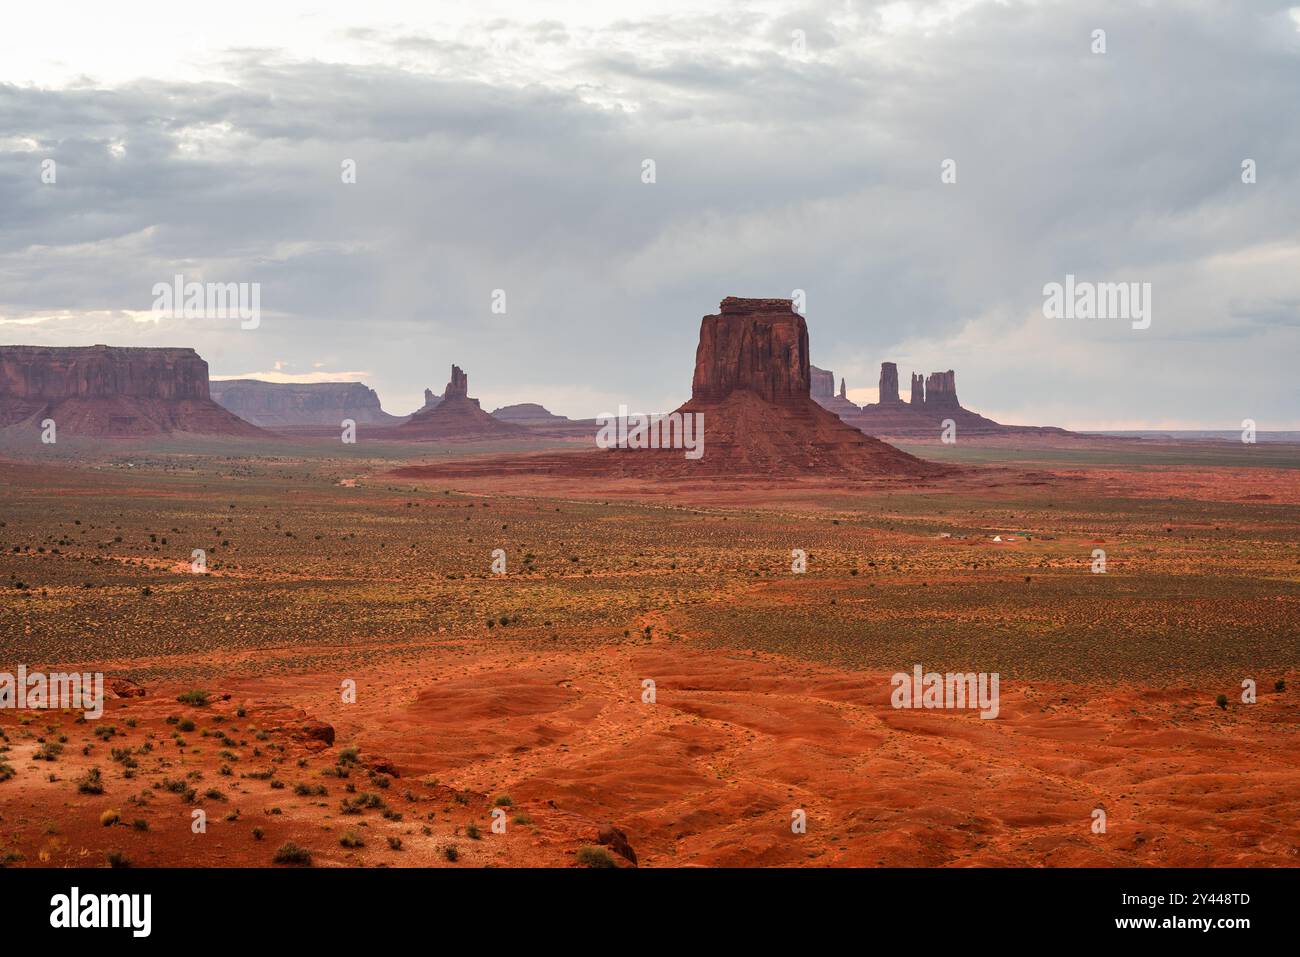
[520, 699]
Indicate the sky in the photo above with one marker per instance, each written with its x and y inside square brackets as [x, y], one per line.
[796, 146]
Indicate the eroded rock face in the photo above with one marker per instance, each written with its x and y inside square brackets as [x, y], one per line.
[80, 372]
[112, 391]
[753, 345]
[889, 382]
[918, 389]
[289, 405]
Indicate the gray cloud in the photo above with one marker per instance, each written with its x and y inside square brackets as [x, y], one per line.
[774, 173]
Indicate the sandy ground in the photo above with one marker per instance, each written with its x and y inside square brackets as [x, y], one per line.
[710, 773]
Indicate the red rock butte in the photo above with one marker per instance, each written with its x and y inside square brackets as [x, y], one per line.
[112, 391]
[752, 388]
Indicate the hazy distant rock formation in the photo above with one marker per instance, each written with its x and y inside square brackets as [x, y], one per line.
[112, 391]
[287, 405]
[530, 415]
[934, 399]
[822, 385]
[431, 401]
[456, 416]
[823, 392]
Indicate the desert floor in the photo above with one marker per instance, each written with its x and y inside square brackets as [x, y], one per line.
[523, 693]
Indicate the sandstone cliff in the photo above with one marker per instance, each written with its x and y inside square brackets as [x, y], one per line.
[112, 391]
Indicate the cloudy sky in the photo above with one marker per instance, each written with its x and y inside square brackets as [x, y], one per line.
[796, 146]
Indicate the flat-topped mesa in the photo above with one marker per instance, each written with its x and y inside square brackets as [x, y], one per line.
[822, 383]
[82, 372]
[112, 391]
[889, 382]
[941, 389]
[291, 405]
[753, 345]
[918, 389]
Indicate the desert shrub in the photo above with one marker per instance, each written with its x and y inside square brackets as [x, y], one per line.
[195, 699]
[91, 782]
[590, 856]
[291, 853]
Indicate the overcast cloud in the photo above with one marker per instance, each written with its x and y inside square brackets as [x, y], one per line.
[501, 147]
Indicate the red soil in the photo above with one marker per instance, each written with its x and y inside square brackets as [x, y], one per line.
[709, 774]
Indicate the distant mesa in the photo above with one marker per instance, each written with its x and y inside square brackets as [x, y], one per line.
[455, 416]
[291, 405]
[112, 391]
[823, 392]
[530, 415]
[933, 399]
